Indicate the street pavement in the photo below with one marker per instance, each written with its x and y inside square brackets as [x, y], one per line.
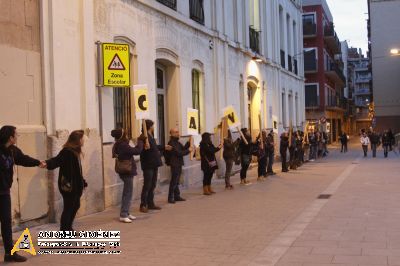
[280, 221]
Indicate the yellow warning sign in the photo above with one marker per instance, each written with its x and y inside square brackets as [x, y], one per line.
[24, 243]
[192, 122]
[233, 119]
[141, 98]
[116, 65]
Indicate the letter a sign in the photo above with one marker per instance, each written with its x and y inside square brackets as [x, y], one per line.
[116, 65]
[141, 98]
[192, 122]
[233, 119]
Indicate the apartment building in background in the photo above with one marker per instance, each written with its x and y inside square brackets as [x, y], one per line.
[323, 67]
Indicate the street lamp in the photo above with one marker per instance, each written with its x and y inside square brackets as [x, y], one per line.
[394, 51]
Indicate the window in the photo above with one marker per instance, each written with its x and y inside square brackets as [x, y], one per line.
[196, 11]
[308, 19]
[168, 3]
[122, 109]
[161, 104]
[309, 25]
[254, 28]
[310, 60]
[312, 96]
[196, 92]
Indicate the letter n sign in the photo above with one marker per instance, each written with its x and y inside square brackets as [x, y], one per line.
[192, 122]
[141, 98]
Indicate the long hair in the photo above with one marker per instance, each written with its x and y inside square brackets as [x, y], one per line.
[206, 138]
[5, 133]
[74, 142]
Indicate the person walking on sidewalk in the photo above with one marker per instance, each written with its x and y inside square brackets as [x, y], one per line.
[208, 161]
[343, 141]
[375, 140]
[70, 179]
[124, 153]
[270, 149]
[364, 143]
[312, 139]
[229, 155]
[386, 143]
[261, 156]
[283, 151]
[246, 151]
[150, 161]
[175, 161]
[293, 151]
[10, 155]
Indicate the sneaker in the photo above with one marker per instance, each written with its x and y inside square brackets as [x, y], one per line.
[14, 258]
[132, 217]
[125, 220]
[242, 182]
[247, 182]
[144, 209]
[171, 201]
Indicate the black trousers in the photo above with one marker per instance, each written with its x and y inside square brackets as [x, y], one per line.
[245, 163]
[228, 172]
[174, 192]
[385, 150]
[365, 149]
[262, 166]
[149, 184]
[72, 203]
[270, 156]
[344, 147]
[283, 159]
[207, 177]
[5, 220]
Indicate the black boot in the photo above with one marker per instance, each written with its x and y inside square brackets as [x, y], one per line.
[14, 258]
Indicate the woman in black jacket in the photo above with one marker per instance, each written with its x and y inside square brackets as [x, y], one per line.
[70, 180]
[208, 161]
[122, 151]
[10, 155]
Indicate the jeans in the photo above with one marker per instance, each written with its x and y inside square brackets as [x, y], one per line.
[313, 152]
[385, 150]
[174, 192]
[72, 203]
[245, 162]
[365, 149]
[126, 196]
[270, 161]
[5, 220]
[262, 165]
[373, 148]
[228, 171]
[207, 177]
[149, 184]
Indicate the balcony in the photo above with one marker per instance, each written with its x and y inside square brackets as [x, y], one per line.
[366, 79]
[331, 39]
[169, 3]
[310, 61]
[337, 104]
[254, 40]
[362, 91]
[309, 30]
[196, 11]
[333, 72]
[290, 63]
[283, 59]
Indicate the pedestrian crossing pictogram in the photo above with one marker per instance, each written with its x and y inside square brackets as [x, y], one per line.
[24, 243]
[116, 63]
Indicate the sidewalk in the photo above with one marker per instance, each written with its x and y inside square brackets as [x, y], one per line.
[277, 222]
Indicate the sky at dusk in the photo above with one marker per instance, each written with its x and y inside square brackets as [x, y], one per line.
[350, 19]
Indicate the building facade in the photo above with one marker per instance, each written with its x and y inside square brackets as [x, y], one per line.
[361, 83]
[385, 35]
[323, 66]
[191, 54]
